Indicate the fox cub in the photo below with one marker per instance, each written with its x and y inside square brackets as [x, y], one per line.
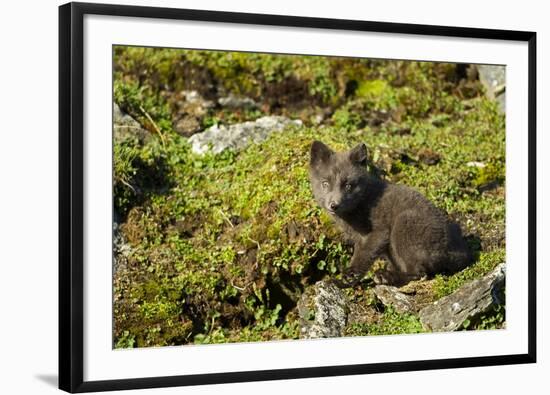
[384, 220]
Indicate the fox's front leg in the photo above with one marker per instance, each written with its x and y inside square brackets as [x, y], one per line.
[365, 252]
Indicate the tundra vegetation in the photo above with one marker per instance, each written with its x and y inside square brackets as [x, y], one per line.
[220, 247]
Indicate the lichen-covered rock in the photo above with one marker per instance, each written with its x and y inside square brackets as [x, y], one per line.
[121, 250]
[237, 102]
[389, 295]
[475, 298]
[189, 108]
[323, 310]
[195, 97]
[494, 80]
[127, 128]
[238, 136]
[187, 125]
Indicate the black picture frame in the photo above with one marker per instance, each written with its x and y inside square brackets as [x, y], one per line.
[71, 173]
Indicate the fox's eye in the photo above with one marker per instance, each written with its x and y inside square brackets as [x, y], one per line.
[325, 184]
[348, 187]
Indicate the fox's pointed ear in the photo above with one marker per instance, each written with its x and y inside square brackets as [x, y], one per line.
[320, 153]
[358, 155]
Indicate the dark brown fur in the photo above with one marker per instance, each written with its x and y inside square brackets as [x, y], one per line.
[384, 220]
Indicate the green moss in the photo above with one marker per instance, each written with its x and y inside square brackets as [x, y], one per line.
[379, 93]
[346, 119]
[492, 173]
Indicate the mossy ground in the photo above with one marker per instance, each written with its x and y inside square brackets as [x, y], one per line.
[222, 246]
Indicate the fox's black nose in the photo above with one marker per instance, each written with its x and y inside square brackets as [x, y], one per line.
[333, 205]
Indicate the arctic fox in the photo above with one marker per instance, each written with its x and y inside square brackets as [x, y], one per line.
[384, 220]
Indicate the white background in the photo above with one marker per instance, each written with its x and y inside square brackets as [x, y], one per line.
[102, 363]
[28, 197]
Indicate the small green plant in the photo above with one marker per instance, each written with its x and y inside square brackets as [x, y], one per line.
[126, 340]
[139, 101]
[345, 119]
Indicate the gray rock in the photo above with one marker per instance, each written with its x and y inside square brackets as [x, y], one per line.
[240, 135]
[190, 107]
[192, 96]
[468, 302]
[187, 126]
[127, 128]
[317, 119]
[389, 295]
[236, 102]
[323, 311]
[121, 250]
[494, 80]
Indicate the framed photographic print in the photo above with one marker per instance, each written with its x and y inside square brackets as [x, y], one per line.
[251, 197]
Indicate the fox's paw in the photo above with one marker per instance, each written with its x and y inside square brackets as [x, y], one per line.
[382, 277]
